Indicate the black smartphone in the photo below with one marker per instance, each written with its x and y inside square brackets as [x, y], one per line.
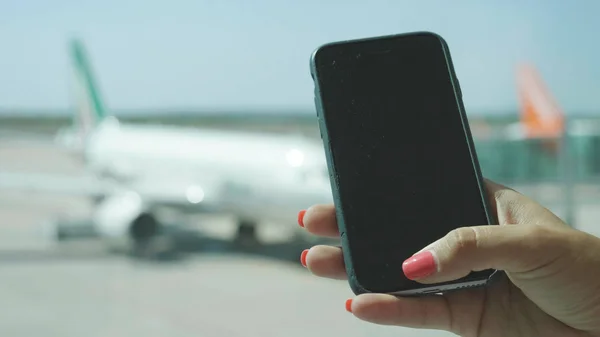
[400, 155]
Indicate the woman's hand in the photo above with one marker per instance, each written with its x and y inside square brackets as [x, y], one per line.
[551, 285]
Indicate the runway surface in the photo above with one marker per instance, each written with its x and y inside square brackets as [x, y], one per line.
[81, 290]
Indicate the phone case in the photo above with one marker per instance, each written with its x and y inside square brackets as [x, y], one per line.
[354, 283]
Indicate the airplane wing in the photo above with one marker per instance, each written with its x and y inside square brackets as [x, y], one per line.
[199, 194]
[84, 186]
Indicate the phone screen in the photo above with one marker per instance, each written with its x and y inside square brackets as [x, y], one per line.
[404, 170]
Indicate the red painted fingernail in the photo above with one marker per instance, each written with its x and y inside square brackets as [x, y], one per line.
[419, 266]
[301, 217]
[349, 305]
[303, 257]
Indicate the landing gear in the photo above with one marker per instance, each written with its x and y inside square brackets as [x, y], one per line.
[246, 234]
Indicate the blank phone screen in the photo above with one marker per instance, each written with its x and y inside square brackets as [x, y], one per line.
[404, 170]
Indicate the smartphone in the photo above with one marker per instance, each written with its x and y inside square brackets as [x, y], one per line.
[400, 155]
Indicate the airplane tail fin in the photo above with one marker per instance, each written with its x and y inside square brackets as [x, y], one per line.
[89, 108]
[540, 115]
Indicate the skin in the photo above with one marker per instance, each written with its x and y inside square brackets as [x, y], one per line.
[550, 285]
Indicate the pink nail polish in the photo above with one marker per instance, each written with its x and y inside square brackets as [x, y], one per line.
[419, 266]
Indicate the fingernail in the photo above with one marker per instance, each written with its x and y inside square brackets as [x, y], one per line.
[301, 217]
[303, 257]
[349, 305]
[419, 265]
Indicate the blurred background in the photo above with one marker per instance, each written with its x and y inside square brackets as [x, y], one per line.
[154, 154]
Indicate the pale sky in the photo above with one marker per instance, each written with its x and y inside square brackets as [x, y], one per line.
[251, 54]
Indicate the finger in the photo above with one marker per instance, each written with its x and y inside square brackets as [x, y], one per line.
[320, 220]
[431, 312]
[503, 201]
[326, 261]
[494, 189]
[516, 249]
[511, 207]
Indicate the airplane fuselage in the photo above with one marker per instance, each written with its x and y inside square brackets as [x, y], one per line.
[254, 176]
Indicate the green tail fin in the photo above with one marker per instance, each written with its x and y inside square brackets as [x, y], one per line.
[89, 108]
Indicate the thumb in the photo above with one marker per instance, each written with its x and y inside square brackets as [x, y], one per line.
[515, 249]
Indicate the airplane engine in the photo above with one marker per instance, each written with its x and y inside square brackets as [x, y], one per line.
[126, 223]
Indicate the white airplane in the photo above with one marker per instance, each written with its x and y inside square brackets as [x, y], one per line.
[139, 169]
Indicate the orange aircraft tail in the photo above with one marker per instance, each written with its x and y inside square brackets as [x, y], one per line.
[541, 116]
